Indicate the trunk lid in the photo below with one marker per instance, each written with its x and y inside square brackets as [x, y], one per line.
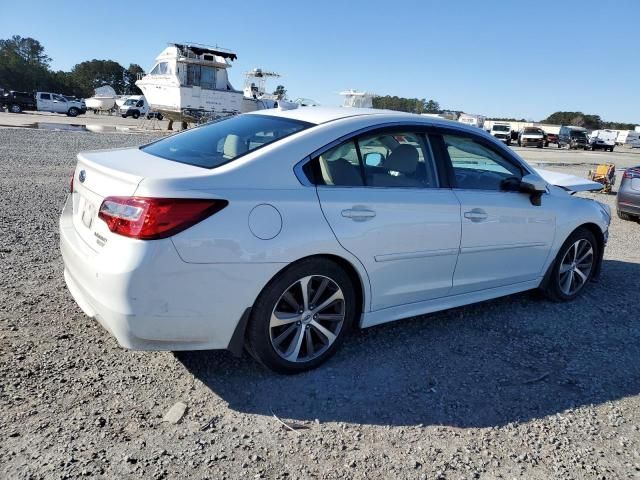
[101, 174]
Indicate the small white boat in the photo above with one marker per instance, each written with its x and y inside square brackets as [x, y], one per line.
[104, 99]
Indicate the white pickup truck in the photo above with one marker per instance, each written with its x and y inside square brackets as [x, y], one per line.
[55, 103]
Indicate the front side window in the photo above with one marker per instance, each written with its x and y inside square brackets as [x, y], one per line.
[221, 142]
[394, 159]
[477, 167]
[59, 98]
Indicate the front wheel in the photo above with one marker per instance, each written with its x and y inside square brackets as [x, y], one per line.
[73, 112]
[302, 316]
[15, 108]
[574, 266]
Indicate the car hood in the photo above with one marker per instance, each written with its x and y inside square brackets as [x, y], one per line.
[568, 182]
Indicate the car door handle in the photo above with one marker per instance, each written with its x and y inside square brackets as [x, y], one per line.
[358, 214]
[476, 215]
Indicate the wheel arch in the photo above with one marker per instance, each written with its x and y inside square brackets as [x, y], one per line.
[237, 341]
[599, 236]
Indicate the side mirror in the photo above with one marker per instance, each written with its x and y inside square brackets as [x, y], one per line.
[535, 186]
[532, 184]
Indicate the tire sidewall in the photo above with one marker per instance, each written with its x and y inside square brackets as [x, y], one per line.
[73, 112]
[258, 332]
[554, 281]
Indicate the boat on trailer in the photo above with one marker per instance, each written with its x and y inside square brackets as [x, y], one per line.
[190, 83]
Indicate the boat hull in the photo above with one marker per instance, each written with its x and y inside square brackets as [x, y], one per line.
[100, 103]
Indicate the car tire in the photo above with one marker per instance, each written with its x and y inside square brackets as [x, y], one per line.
[15, 108]
[625, 216]
[73, 112]
[565, 281]
[541, 145]
[611, 149]
[135, 115]
[159, 116]
[559, 146]
[304, 340]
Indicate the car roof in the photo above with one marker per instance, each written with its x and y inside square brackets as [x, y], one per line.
[319, 115]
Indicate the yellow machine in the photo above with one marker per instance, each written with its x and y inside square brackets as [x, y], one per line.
[604, 174]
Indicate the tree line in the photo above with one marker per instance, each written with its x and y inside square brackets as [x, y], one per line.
[411, 105]
[25, 66]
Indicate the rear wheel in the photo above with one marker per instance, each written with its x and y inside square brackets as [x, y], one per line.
[574, 266]
[15, 108]
[136, 115]
[302, 316]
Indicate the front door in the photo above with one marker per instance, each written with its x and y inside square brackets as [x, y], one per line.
[381, 197]
[59, 104]
[505, 238]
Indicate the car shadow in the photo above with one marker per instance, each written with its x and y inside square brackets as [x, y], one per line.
[506, 360]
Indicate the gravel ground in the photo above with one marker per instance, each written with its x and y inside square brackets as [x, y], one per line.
[512, 388]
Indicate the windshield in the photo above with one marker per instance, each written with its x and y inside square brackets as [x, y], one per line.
[533, 131]
[217, 143]
[578, 135]
[501, 128]
[130, 101]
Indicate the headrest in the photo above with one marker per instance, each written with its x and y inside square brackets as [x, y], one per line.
[233, 146]
[403, 159]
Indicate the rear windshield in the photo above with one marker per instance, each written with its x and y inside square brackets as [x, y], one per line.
[220, 142]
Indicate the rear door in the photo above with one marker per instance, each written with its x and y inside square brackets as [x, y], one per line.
[505, 238]
[380, 194]
[45, 102]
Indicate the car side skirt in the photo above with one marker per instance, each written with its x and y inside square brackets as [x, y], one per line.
[369, 319]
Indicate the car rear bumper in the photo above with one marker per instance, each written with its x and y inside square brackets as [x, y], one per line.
[628, 202]
[149, 299]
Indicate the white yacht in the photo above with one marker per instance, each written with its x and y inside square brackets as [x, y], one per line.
[189, 82]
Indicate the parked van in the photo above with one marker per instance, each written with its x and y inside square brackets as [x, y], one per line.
[134, 106]
[502, 132]
[603, 140]
[55, 103]
[573, 137]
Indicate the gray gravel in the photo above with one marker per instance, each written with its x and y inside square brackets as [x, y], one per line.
[512, 388]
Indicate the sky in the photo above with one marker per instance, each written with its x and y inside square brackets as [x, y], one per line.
[523, 59]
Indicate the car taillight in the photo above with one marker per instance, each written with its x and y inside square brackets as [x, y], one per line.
[631, 173]
[154, 218]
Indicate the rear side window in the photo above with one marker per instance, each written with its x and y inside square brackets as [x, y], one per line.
[45, 96]
[221, 142]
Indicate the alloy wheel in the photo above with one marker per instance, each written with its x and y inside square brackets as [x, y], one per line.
[575, 267]
[307, 318]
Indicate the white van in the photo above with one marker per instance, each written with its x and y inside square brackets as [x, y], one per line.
[135, 106]
[603, 139]
[502, 132]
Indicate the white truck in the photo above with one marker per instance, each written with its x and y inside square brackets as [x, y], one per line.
[473, 120]
[56, 103]
[135, 106]
[502, 132]
[603, 140]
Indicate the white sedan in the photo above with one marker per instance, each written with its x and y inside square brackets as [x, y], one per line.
[279, 231]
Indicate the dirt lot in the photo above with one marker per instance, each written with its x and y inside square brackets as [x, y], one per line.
[512, 388]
